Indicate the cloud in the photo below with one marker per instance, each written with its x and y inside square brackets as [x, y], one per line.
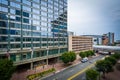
[93, 16]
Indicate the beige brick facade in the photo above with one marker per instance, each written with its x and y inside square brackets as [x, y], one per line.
[79, 43]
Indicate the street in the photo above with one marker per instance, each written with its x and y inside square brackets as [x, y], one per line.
[72, 72]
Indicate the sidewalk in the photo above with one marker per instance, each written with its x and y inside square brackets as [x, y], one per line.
[21, 75]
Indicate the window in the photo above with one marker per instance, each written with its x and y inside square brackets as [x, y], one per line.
[27, 8]
[43, 23]
[18, 12]
[26, 26]
[3, 9]
[3, 45]
[3, 16]
[36, 11]
[50, 1]
[44, 33]
[36, 33]
[43, 8]
[3, 38]
[26, 33]
[36, 5]
[25, 20]
[36, 17]
[43, 29]
[27, 2]
[37, 1]
[18, 19]
[36, 22]
[44, 3]
[25, 14]
[13, 4]
[43, 19]
[14, 39]
[15, 45]
[43, 13]
[4, 31]
[50, 6]
[15, 25]
[15, 32]
[4, 2]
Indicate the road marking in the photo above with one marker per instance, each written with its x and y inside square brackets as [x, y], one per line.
[83, 70]
[80, 72]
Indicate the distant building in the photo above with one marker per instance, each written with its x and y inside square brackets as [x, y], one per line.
[79, 43]
[97, 39]
[117, 42]
[108, 39]
[70, 33]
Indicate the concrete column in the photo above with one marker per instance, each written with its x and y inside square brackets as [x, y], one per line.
[31, 65]
[47, 57]
[47, 61]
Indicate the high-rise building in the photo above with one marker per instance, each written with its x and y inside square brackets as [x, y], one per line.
[108, 39]
[33, 32]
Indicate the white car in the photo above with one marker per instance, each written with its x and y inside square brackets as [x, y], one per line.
[84, 60]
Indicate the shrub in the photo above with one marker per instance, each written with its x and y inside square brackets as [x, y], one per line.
[41, 74]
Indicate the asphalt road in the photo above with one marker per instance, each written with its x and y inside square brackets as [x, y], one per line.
[67, 73]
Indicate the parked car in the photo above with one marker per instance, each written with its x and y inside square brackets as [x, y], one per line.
[84, 60]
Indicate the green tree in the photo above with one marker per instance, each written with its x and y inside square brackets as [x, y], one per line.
[116, 55]
[65, 57]
[104, 66]
[82, 54]
[111, 59]
[91, 74]
[92, 52]
[6, 69]
[72, 56]
[87, 53]
[68, 57]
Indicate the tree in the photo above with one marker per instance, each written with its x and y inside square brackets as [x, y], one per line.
[6, 69]
[68, 57]
[104, 66]
[111, 59]
[87, 53]
[65, 57]
[82, 54]
[91, 74]
[72, 56]
[92, 52]
[116, 55]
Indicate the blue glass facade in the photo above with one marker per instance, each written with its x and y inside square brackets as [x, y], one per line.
[33, 28]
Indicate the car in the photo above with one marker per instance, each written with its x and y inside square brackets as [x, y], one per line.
[84, 60]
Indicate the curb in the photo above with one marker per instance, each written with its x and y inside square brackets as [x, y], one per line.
[60, 70]
[63, 69]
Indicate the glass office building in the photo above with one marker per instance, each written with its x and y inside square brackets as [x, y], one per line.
[33, 31]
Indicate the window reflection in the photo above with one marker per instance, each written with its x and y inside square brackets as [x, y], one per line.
[4, 2]
[3, 9]
[26, 8]
[27, 2]
[13, 4]
[3, 16]
[36, 5]
[3, 24]
[3, 38]
[43, 33]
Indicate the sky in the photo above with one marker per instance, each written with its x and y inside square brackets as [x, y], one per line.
[94, 17]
